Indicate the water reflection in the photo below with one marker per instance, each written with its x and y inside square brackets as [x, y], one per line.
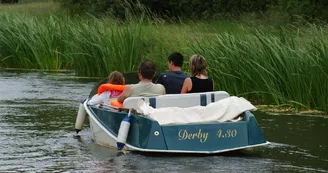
[37, 115]
[307, 146]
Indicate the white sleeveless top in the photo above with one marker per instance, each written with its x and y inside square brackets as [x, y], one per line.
[104, 97]
[146, 89]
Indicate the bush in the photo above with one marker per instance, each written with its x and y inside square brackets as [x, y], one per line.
[169, 8]
[95, 7]
[309, 9]
[8, 1]
[199, 9]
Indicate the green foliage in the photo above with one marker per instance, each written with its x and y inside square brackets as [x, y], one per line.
[92, 47]
[35, 7]
[95, 7]
[200, 9]
[309, 9]
[261, 63]
[274, 69]
[24, 43]
[168, 8]
[8, 1]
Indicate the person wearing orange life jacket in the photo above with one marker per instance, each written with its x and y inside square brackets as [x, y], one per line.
[108, 92]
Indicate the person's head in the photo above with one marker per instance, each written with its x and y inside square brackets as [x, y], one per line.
[197, 65]
[147, 70]
[175, 60]
[116, 78]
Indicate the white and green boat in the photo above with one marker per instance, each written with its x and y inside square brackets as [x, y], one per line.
[208, 136]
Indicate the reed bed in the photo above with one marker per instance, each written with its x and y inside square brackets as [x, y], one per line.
[272, 69]
[91, 47]
[266, 66]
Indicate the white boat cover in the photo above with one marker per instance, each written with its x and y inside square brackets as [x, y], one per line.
[227, 109]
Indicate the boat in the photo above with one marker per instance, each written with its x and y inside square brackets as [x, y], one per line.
[145, 134]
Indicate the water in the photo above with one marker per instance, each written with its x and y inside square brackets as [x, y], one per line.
[37, 116]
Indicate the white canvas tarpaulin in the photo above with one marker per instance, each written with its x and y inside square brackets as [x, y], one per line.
[223, 110]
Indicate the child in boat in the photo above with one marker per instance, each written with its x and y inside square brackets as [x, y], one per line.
[115, 78]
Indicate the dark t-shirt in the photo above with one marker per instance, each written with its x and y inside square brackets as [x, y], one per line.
[201, 85]
[172, 81]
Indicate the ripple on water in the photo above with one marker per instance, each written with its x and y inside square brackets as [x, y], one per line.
[37, 115]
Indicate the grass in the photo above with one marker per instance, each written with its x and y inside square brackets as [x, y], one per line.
[267, 64]
[38, 7]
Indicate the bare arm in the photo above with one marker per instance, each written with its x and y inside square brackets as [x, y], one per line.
[97, 99]
[187, 85]
[125, 94]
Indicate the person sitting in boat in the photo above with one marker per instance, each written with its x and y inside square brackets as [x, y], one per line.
[115, 78]
[145, 87]
[173, 80]
[199, 82]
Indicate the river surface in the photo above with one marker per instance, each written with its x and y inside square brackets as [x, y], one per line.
[37, 116]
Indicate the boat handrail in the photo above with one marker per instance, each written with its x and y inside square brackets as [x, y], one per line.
[178, 100]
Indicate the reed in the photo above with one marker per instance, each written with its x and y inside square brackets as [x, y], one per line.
[265, 64]
[271, 69]
[92, 47]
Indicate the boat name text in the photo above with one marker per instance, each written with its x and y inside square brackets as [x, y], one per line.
[202, 136]
[184, 135]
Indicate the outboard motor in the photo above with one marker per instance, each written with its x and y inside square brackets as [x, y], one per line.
[80, 117]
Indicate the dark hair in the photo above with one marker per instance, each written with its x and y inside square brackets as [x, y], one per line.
[116, 78]
[197, 65]
[147, 69]
[176, 58]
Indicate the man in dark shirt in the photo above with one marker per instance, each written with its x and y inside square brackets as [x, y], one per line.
[173, 80]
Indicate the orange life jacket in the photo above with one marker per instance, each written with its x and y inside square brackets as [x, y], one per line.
[116, 103]
[110, 87]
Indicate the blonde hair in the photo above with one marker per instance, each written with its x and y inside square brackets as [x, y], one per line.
[116, 78]
[197, 65]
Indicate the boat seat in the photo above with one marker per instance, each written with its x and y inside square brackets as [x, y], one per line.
[178, 100]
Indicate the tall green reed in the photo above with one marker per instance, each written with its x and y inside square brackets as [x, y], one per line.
[98, 47]
[269, 69]
[25, 42]
[283, 66]
[92, 47]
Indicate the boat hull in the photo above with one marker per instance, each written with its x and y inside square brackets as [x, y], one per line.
[100, 135]
[148, 136]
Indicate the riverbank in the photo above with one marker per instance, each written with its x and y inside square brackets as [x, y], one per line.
[271, 63]
[283, 109]
[288, 110]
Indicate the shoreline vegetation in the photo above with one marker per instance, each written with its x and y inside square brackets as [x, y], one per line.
[288, 110]
[269, 61]
[285, 109]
